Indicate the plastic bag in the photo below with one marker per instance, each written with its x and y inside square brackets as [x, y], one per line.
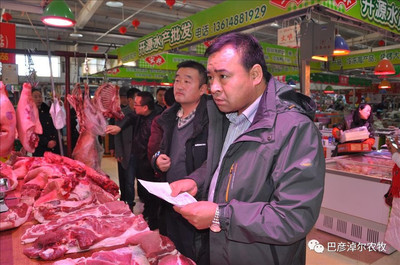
[58, 114]
[392, 234]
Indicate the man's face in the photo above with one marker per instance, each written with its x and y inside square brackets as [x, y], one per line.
[37, 98]
[131, 103]
[187, 88]
[160, 97]
[139, 108]
[231, 85]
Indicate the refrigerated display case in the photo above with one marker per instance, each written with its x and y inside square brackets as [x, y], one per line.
[353, 205]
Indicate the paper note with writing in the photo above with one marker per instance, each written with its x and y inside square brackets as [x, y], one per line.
[163, 190]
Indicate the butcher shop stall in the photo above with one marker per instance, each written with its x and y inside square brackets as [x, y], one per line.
[54, 205]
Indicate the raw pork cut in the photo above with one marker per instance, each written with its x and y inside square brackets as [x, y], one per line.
[68, 235]
[116, 209]
[15, 216]
[159, 249]
[7, 172]
[131, 255]
[8, 122]
[106, 99]
[92, 122]
[100, 179]
[28, 123]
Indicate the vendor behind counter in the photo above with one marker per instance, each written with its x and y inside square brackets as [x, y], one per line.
[358, 118]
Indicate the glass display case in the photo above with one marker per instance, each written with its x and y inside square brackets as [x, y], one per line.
[353, 206]
[377, 165]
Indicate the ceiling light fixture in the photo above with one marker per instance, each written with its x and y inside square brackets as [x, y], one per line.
[329, 90]
[75, 34]
[384, 84]
[384, 67]
[341, 47]
[58, 14]
[275, 24]
[321, 58]
[114, 3]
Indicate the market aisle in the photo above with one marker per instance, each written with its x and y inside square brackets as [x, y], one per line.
[109, 165]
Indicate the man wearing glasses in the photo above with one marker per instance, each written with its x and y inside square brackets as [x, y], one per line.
[145, 113]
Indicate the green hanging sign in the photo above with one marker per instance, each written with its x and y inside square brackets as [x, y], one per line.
[225, 17]
[370, 59]
[381, 13]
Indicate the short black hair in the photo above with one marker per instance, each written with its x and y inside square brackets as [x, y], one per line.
[198, 66]
[147, 99]
[161, 89]
[246, 45]
[131, 92]
[169, 97]
[36, 89]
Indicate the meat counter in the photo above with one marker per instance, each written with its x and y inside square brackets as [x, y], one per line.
[353, 206]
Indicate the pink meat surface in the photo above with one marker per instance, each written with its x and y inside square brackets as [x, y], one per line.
[8, 122]
[131, 255]
[15, 216]
[28, 123]
[7, 172]
[68, 235]
[92, 123]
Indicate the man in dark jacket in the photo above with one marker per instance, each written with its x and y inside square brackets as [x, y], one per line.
[141, 120]
[184, 149]
[123, 154]
[48, 141]
[264, 175]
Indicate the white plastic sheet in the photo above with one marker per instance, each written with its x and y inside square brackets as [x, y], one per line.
[58, 114]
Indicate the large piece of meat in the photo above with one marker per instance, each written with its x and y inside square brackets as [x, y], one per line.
[8, 122]
[15, 216]
[28, 123]
[146, 248]
[80, 232]
[132, 255]
[92, 123]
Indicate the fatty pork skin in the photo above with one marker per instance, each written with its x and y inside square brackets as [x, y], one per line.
[28, 123]
[8, 122]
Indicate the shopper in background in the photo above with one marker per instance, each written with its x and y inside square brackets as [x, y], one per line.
[123, 153]
[123, 99]
[160, 105]
[141, 120]
[156, 130]
[264, 174]
[184, 149]
[362, 116]
[48, 141]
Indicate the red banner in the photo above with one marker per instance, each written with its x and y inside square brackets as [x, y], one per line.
[7, 41]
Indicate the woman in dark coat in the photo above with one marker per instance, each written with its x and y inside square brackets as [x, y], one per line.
[48, 141]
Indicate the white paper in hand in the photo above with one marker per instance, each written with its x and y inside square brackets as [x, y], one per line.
[163, 191]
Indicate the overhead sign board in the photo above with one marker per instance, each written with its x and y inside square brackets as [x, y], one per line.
[224, 17]
[381, 13]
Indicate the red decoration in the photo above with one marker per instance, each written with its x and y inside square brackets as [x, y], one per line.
[95, 48]
[122, 30]
[170, 3]
[135, 23]
[6, 17]
[381, 43]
